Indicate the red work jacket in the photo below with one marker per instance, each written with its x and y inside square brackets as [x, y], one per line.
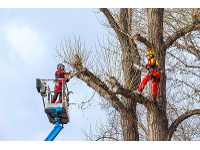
[63, 75]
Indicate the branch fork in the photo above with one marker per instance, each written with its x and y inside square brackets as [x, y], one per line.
[143, 40]
[116, 88]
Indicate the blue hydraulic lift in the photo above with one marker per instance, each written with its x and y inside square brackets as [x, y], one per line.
[52, 135]
[57, 113]
[56, 130]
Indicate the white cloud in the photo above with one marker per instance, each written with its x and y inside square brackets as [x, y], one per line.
[26, 41]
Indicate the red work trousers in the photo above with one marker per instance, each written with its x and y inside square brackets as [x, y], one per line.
[58, 91]
[154, 81]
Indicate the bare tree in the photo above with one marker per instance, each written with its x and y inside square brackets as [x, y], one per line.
[162, 30]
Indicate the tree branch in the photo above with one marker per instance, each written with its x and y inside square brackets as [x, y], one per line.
[170, 40]
[187, 66]
[181, 118]
[121, 26]
[117, 26]
[192, 49]
[99, 86]
[118, 89]
[112, 21]
[143, 40]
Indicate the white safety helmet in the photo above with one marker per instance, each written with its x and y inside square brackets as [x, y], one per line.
[60, 66]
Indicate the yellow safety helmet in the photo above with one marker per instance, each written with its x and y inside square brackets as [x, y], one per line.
[150, 53]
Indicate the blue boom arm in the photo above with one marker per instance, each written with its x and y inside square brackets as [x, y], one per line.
[54, 133]
[56, 130]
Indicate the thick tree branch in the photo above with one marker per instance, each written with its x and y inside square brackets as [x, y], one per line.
[143, 40]
[99, 86]
[118, 89]
[181, 118]
[117, 26]
[112, 21]
[170, 40]
[117, 20]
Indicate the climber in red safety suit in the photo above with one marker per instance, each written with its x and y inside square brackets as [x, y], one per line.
[153, 73]
[60, 73]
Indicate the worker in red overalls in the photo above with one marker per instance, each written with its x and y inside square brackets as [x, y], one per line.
[153, 74]
[60, 73]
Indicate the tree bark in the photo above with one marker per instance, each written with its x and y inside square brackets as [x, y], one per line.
[130, 55]
[122, 27]
[156, 114]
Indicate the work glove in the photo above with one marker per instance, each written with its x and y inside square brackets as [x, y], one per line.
[71, 75]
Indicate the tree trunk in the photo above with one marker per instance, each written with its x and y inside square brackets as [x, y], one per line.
[156, 114]
[129, 123]
[131, 76]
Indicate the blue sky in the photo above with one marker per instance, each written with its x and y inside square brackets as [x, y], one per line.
[28, 40]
